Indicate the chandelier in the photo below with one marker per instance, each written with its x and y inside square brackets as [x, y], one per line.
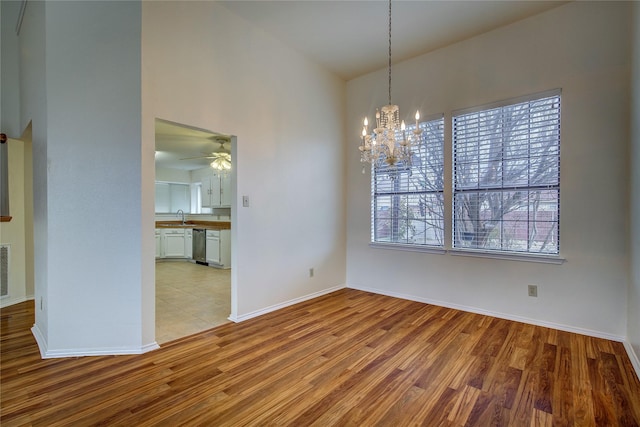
[388, 146]
[221, 161]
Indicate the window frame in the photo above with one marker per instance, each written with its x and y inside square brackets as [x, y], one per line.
[448, 193]
[527, 255]
[437, 120]
[5, 215]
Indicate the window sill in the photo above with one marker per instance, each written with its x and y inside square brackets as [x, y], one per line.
[547, 259]
[410, 248]
[5, 219]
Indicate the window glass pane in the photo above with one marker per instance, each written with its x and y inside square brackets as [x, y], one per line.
[408, 207]
[163, 197]
[506, 177]
[172, 196]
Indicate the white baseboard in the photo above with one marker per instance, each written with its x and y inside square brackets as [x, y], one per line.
[635, 358]
[275, 307]
[561, 327]
[42, 343]
[45, 353]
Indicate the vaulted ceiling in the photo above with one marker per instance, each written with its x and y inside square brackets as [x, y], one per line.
[350, 38]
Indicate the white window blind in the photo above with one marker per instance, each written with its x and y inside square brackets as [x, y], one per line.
[506, 176]
[409, 209]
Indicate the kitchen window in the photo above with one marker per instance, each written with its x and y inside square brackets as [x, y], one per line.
[506, 177]
[407, 207]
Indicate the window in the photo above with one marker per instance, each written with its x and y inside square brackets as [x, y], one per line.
[506, 176]
[4, 178]
[172, 196]
[408, 208]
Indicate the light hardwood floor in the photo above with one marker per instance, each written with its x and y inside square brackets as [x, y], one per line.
[349, 358]
[190, 298]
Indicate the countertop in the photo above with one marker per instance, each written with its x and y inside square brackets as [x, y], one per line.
[207, 225]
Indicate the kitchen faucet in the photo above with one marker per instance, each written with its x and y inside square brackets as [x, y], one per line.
[181, 212]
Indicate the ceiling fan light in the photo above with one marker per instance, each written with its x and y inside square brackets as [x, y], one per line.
[222, 162]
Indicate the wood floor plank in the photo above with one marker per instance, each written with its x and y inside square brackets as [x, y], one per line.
[349, 358]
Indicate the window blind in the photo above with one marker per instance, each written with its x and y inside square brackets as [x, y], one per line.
[408, 208]
[506, 176]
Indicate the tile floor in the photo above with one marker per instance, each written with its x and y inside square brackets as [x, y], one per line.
[190, 298]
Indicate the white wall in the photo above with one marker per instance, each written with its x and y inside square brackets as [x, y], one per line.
[633, 322]
[173, 175]
[581, 47]
[33, 119]
[83, 94]
[206, 67]
[9, 69]
[13, 233]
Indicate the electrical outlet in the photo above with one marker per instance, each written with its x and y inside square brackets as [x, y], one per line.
[533, 291]
[311, 272]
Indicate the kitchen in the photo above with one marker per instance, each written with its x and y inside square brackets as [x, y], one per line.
[192, 230]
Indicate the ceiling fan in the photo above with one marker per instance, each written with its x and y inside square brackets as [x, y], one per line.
[220, 159]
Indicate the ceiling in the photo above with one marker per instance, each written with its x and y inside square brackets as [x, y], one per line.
[176, 143]
[350, 38]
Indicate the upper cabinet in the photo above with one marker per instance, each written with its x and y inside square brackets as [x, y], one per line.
[216, 190]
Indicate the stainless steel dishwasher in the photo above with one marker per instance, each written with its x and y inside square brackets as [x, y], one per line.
[200, 246]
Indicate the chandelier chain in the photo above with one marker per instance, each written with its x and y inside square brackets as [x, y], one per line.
[389, 52]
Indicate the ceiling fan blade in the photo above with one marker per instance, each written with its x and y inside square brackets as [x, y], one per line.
[209, 156]
[200, 157]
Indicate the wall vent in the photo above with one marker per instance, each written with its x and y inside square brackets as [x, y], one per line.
[4, 270]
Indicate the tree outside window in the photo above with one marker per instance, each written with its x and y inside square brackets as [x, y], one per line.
[506, 177]
[408, 205]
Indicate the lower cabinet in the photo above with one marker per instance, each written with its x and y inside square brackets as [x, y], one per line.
[219, 248]
[178, 243]
[213, 246]
[173, 243]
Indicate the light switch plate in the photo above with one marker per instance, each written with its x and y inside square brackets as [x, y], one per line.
[245, 201]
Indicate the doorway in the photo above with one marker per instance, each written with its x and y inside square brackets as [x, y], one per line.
[191, 297]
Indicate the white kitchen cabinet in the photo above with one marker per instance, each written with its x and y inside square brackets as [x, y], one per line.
[216, 190]
[174, 243]
[210, 191]
[171, 243]
[225, 190]
[219, 248]
[188, 243]
[213, 246]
